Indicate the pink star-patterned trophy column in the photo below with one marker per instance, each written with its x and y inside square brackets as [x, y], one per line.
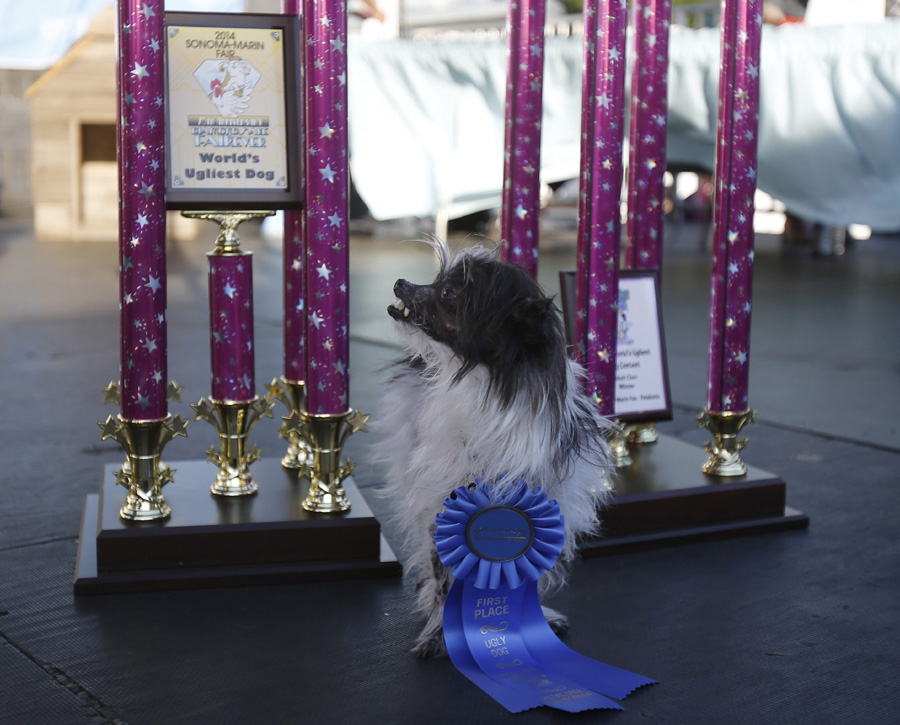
[522, 148]
[142, 217]
[291, 389]
[727, 408]
[144, 426]
[647, 151]
[327, 420]
[599, 227]
[231, 325]
[327, 186]
[649, 121]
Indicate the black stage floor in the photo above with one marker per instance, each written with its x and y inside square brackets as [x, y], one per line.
[790, 627]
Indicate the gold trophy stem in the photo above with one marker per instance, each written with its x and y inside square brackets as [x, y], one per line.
[641, 433]
[326, 492]
[146, 474]
[233, 477]
[299, 456]
[618, 446]
[143, 473]
[725, 448]
[233, 421]
[325, 435]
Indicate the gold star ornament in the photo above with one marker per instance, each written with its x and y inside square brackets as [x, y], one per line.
[111, 393]
[204, 411]
[173, 392]
[110, 429]
[178, 426]
[358, 421]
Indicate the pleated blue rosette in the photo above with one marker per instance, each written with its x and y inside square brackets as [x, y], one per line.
[458, 525]
[498, 543]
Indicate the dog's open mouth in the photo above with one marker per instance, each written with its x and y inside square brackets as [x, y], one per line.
[404, 307]
[399, 310]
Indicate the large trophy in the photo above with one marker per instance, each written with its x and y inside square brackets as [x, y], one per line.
[225, 140]
[669, 491]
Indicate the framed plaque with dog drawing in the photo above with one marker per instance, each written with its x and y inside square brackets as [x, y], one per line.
[233, 116]
[642, 373]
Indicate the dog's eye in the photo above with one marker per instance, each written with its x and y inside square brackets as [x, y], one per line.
[448, 293]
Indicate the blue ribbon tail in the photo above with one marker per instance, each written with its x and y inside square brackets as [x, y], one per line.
[493, 636]
[545, 646]
[462, 658]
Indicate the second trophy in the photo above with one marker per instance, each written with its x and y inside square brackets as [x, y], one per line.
[233, 407]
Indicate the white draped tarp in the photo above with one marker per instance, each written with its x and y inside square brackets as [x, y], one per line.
[426, 120]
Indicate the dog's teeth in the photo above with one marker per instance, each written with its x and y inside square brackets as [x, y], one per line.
[398, 303]
[406, 312]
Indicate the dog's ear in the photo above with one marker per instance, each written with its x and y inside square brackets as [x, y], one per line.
[534, 320]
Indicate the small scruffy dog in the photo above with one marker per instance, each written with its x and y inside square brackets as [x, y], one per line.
[487, 391]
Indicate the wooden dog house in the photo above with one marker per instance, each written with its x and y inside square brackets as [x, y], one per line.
[73, 136]
[73, 147]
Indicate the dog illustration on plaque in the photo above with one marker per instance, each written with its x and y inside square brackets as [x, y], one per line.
[229, 84]
[623, 333]
[486, 391]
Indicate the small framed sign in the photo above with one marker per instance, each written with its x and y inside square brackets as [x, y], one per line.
[642, 371]
[233, 112]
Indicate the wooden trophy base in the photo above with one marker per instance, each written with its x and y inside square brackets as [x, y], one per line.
[664, 498]
[217, 541]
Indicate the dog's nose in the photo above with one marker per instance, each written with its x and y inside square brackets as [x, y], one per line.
[410, 292]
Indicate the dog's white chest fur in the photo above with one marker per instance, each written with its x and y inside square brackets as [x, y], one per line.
[442, 433]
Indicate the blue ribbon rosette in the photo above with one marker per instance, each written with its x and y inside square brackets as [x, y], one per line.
[498, 546]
